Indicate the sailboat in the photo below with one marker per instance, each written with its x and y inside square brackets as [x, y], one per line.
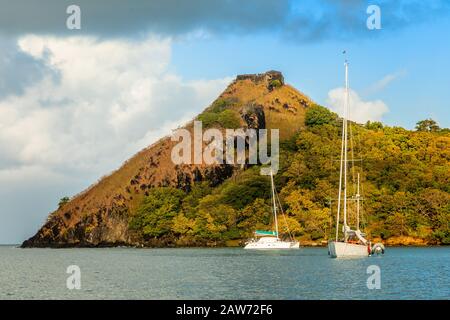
[353, 242]
[270, 239]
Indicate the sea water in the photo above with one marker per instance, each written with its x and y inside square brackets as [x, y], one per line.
[228, 273]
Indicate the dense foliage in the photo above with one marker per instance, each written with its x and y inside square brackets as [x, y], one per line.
[218, 115]
[405, 178]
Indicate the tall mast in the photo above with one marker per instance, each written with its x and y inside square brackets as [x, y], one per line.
[343, 166]
[274, 202]
[340, 184]
[358, 196]
[346, 111]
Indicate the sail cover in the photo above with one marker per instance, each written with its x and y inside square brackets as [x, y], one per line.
[265, 233]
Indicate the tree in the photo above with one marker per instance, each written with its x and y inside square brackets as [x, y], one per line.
[289, 225]
[317, 115]
[275, 84]
[208, 119]
[256, 215]
[398, 224]
[428, 125]
[182, 225]
[228, 119]
[198, 191]
[245, 189]
[375, 125]
[206, 228]
[154, 217]
[63, 201]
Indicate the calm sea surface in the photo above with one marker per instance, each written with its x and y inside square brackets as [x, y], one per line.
[123, 273]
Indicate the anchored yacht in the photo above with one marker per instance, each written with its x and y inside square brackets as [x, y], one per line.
[271, 239]
[352, 242]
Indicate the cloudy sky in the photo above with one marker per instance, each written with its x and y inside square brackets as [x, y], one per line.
[74, 104]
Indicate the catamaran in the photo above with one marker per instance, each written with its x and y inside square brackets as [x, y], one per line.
[352, 242]
[270, 239]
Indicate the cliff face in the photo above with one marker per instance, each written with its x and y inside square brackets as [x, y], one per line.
[100, 215]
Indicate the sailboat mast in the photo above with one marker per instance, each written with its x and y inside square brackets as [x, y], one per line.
[346, 111]
[343, 144]
[274, 202]
[357, 205]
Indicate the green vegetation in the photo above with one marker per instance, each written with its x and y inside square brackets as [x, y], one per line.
[428, 125]
[229, 119]
[154, 216]
[376, 125]
[63, 201]
[206, 214]
[405, 181]
[275, 83]
[220, 105]
[318, 115]
[219, 115]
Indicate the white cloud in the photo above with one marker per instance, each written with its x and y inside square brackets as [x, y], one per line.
[111, 98]
[110, 95]
[360, 111]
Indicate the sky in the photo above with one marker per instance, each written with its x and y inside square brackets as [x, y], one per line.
[76, 103]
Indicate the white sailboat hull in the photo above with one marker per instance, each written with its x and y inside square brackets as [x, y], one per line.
[269, 243]
[344, 249]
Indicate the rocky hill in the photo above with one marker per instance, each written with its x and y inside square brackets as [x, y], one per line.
[100, 215]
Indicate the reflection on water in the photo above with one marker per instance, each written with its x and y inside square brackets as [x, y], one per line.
[308, 273]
